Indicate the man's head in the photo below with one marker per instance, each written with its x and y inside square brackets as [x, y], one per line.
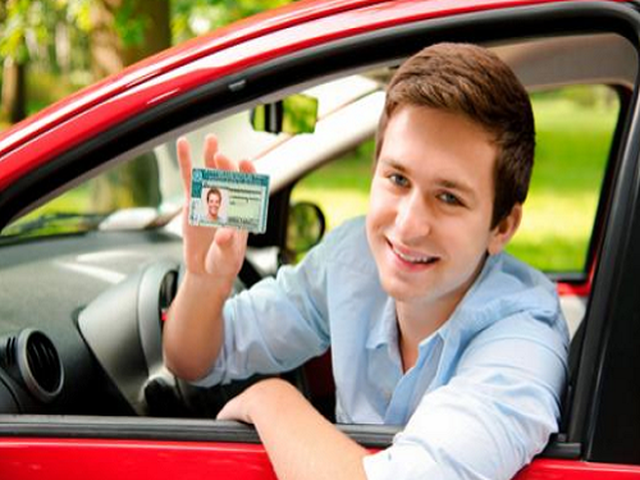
[474, 82]
[453, 161]
[214, 200]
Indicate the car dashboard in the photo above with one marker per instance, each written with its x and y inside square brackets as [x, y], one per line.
[65, 299]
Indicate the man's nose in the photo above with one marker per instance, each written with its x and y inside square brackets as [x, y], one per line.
[414, 217]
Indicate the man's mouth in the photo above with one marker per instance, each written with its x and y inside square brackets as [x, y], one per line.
[412, 257]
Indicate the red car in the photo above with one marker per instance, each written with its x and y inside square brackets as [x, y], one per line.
[86, 276]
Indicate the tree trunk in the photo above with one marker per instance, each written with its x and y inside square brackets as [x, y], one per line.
[157, 32]
[14, 88]
[106, 56]
[109, 55]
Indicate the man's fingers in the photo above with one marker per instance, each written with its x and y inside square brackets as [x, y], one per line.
[210, 150]
[184, 161]
[247, 166]
[227, 251]
[224, 236]
[230, 411]
[223, 162]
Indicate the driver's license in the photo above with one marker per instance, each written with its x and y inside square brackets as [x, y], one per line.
[220, 198]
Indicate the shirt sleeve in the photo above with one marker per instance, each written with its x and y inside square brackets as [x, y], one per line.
[495, 414]
[276, 325]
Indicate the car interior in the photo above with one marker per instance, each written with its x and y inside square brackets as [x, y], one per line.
[90, 268]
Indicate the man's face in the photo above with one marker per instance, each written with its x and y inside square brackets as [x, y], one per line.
[429, 220]
[213, 205]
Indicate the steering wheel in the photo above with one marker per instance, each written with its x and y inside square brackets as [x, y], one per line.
[123, 328]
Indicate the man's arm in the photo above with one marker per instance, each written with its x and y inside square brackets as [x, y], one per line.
[194, 331]
[494, 415]
[300, 442]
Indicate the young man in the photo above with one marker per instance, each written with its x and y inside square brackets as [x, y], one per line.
[214, 201]
[430, 325]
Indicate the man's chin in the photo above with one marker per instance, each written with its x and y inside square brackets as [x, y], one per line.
[401, 291]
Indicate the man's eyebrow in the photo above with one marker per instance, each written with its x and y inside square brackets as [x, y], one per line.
[455, 185]
[447, 183]
[396, 165]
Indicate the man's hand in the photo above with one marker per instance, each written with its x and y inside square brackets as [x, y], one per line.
[300, 442]
[211, 251]
[243, 406]
[194, 332]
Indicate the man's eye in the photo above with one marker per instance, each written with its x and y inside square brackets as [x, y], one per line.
[449, 199]
[398, 180]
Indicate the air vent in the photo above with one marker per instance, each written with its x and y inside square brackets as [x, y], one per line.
[33, 359]
[44, 363]
[9, 358]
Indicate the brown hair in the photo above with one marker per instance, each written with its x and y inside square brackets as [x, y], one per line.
[472, 81]
[214, 191]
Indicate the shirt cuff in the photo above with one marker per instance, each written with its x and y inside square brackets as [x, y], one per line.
[400, 463]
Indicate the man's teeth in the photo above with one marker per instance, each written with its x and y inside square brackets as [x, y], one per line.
[409, 258]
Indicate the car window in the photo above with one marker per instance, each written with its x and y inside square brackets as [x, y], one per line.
[138, 191]
[340, 188]
[135, 193]
[574, 126]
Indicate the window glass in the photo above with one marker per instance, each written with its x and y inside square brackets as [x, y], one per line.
[134, 186]
[574, 127]
[340, 188]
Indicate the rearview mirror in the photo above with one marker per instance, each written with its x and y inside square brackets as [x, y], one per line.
[294, 114]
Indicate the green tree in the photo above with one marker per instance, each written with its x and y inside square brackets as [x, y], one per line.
[126, 31]
[28, 31]
[190, 18]
[106, 35]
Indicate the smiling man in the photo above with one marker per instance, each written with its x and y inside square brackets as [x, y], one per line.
[214, 200]
[430, 325]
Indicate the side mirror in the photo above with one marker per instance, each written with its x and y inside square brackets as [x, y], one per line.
[295, 114]
[306, 227]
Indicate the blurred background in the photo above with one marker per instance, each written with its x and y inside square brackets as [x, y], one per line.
[51, 48]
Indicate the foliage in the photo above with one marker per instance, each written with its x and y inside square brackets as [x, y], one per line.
[129, 24]
[191, 18]
[28, 27]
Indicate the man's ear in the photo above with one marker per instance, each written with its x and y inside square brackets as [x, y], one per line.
[506, 228]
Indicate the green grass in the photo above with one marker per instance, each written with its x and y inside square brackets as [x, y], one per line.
[574, 131]
[340, 188]
[573, 143]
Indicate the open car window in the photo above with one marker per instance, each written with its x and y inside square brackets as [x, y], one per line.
[575, 126]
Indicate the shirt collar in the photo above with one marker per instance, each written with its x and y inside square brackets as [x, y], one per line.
[384, 329]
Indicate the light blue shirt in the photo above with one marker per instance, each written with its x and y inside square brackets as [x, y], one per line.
[484, 394]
